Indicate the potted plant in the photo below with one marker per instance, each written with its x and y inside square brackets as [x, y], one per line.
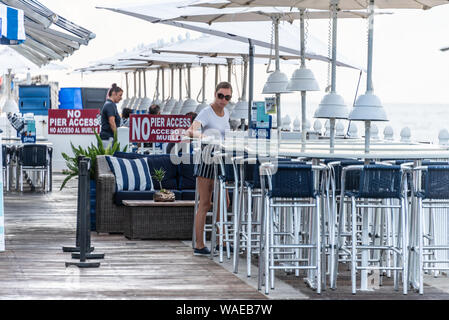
[162, 195]
[91, 152]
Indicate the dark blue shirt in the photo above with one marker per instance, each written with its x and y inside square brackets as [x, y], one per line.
[109, 110]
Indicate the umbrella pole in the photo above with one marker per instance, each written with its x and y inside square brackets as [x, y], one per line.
[135, 89]
[127, 85]
[334, 4]
[172, 91]
[145, 83]
[369, 71]
[180, 83]
[157, 84]
[278, 95]
[204, 84]
[216, 75]
[245, 75]
[251, 81]
[229, 69]
[188, 82]
[367, 135]
[332, 134]
[303, 93]
[140, 83]
[163, 84]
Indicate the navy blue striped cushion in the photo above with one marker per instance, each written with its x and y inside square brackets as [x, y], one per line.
[130, 174]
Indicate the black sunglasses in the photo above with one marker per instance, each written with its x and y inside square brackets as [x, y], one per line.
[221, 96]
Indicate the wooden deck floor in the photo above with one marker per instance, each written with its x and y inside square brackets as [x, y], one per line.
[33, 266]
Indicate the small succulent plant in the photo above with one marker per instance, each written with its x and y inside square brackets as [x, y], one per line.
[159, 175]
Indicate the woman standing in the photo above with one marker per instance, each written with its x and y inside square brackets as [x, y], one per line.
[212, 121]
[110, 118]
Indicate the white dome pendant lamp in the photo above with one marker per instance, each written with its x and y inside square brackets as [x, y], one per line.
[277, 81]
[332, 105]
[368, 107]
[303, 80]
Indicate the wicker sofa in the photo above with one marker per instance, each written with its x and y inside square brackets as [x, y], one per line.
[110, 211]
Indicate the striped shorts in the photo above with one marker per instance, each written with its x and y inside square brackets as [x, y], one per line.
[204, 165]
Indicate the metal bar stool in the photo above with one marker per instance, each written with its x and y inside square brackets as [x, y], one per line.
[5, 165]
[290, 185]
[249, 209]
[378, 182]
[226, 178]
[434, 194]
[338, 220]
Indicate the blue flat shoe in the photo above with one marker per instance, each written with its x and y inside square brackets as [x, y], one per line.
[201, 252]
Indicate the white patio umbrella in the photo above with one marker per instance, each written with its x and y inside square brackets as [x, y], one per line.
[303, 79]
[214, 46]
[239, 31]
[321, 4]
[369, 107]
[155, 14]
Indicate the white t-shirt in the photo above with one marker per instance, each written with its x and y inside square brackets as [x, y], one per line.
[213, 124]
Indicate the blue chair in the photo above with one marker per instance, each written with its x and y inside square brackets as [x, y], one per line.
[250, 196]
[387, 183]
[34, 158]
[432, 194]
[291, 186]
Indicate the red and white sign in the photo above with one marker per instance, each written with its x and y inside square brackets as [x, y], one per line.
[73, 121]
[157, 128]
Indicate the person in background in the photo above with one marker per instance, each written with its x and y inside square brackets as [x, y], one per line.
[172, 144]
[155, 109]
[125, 117]
[110, 118]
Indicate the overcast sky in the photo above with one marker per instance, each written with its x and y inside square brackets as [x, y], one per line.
[408, 65]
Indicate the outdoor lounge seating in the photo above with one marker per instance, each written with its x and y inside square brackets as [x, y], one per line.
[110, 210]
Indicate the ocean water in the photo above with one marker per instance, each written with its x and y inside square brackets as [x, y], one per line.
[424, 120]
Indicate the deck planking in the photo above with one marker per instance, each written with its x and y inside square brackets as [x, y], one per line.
[33, 266]
[38, 225]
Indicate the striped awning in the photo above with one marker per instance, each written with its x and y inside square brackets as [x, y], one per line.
[12, 29]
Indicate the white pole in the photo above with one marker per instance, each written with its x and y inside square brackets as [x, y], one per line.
[303, 93]
[334, 5]
[369, 71]
[277, 62]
